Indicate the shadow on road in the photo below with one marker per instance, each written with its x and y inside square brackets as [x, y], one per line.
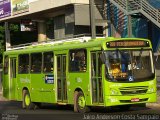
[50, 108]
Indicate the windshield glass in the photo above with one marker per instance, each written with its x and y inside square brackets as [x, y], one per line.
[129, 65]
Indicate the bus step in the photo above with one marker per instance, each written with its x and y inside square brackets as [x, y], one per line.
[62, 103]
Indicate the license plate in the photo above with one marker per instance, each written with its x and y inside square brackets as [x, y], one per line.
[135, 100]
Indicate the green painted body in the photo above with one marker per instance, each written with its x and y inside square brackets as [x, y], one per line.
[41, 92]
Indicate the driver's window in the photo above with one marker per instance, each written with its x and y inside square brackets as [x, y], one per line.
[114, 60]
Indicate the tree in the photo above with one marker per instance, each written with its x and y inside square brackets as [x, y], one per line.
[13, 28]
[2, 37]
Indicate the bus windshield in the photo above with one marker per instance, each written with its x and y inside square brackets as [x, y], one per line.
[129, 65]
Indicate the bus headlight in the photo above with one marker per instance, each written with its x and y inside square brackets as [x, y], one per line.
[151, 89]
[114, 92]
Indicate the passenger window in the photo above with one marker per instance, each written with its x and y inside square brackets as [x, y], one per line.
[36, 62]
[78, 60]
[23, 64]
[48, 62]
[6, 60]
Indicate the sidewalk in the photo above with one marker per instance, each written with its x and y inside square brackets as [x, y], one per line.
[157, 104]
[1, 94]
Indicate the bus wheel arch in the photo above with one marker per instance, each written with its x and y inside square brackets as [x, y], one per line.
[26, 99]
[80, 101]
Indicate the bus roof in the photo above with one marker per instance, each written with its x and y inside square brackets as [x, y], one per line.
[77, 44]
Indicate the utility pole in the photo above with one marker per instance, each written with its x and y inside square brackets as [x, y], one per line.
[129, 21]
[105, 20]
[129, 24]
[92, 18]
[7, 36]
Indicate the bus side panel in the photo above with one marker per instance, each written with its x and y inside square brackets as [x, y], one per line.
[36, 87]
[23, 82]
[80, 81]
[5, 84]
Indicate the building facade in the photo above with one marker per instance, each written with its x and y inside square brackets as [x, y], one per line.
[50, 19]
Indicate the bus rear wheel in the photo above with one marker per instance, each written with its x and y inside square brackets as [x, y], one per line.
[80, 102]
[26, 103]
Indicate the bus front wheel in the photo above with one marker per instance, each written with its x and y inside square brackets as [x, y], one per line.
[80, 102]
[26, 103]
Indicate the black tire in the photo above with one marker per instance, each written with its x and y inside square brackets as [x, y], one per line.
[26, 101]
[77, 107]
[37, 105]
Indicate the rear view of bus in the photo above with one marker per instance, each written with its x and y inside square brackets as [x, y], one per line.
[129, 76]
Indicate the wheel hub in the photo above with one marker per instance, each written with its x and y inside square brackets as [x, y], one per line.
[27, 100]
[81, 102]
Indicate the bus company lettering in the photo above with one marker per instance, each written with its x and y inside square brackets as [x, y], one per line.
[79, 79]
[116, 85]
[25, 80]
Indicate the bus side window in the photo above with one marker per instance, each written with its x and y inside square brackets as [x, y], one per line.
[23, 63]
[36, 62]
[48, 62]
[78, 60]
[6, 60]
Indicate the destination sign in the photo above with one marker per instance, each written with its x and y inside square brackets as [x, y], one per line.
[127, 43]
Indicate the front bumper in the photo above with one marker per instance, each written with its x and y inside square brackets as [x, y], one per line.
[123, 100]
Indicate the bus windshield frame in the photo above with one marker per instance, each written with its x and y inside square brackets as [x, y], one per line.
[131, 65]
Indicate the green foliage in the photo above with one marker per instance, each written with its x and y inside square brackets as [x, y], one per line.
[14, 27]
[2, 32]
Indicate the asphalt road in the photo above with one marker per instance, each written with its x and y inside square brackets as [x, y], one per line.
[11, 110]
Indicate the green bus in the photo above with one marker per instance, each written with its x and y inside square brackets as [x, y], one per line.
[102, 72]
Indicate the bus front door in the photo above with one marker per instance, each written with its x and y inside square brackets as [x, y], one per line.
[61, 79]
[12, 79]
[96, 77]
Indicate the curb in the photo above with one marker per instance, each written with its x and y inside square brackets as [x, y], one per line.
[2, 98]
[153, 105]
[156, 104]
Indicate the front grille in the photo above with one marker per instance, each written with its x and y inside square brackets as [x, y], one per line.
[133, 90]
[129, 101]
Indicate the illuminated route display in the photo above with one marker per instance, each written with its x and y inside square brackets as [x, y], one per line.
[127, 44]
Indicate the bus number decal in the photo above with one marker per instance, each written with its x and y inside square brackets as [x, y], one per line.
[49, 79]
